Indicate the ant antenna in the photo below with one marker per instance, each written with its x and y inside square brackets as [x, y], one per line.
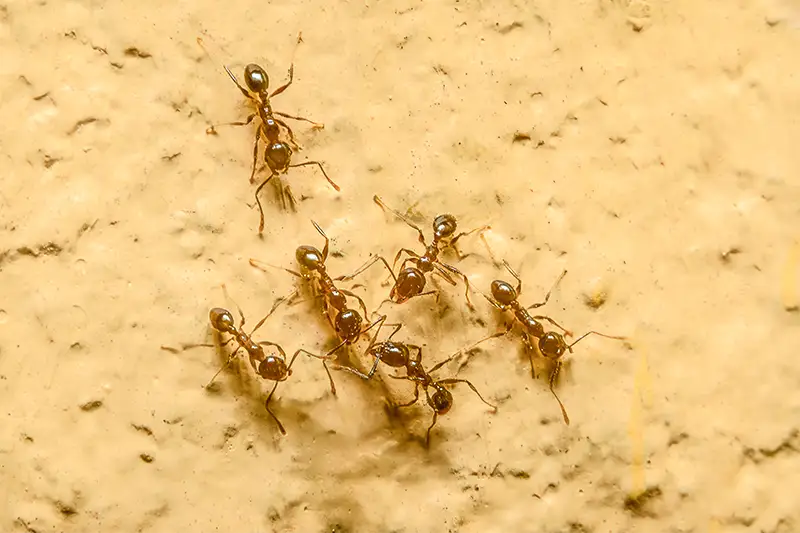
[579, 339]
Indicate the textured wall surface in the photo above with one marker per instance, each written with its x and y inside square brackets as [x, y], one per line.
[649, 148]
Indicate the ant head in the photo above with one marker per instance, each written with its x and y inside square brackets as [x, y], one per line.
[410, 282]
[273, 368]
[444, 226]
[348, 325]
[394, 354]
[552, 345]
[309, 257]
[256, 78]
[504, 293]
[222, 320]
[277, 156]
[441, 400]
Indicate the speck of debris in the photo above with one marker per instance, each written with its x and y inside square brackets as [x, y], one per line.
[144, 429]
[726, 257]
[91, 406]
[337, 254]
[146, 457]
[596, 300]
[637, 503]
[65, 509]
[520, 137]
[135, 52]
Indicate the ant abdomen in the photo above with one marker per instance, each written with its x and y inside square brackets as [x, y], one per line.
[256, 78]
[222, 320]
[273, 368]
[503, 292]
[444, 226]
[441, 400]
[410, 282]
[309, 257]
[348, 325]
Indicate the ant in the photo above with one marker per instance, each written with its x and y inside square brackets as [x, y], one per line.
[410, 281]
[270, 367]
[277, 154]
[551, 344]
[346, 321]
[398, 355]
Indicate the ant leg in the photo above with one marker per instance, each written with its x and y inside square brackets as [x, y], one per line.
[463, 276]
[567, 332]
[553, 376]
[327, 241]
[365, 266]
[471, 347]
[258, 201]
[494, 302]
[324, 360]
[266, 405]
[357, 297]
[242, 319]
[304, 163]
[412, 256]
[516, 276]
[244, 91]
[416, 395]
[531, 351]
[547, 296]
[489, 249]
[255, 155]
[212, 130]
[317, 125]
[379, 322]
[385, 207]
[288, 198]
[283, 87]
[231, 357]
[255, 264]
[291, 134]
[275, 305]
[433, 423]
[579, 339]
[452, 243]
[445, 275]
[471, 386]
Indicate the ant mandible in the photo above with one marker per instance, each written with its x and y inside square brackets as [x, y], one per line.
[410, 281]
[551, 344]
[270, 367]
[398, 355]
[347, 322]
[277, 154]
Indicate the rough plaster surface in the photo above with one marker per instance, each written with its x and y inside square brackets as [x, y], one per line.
[649, 148]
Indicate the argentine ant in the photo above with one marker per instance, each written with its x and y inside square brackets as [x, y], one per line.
[271, 367]
[410, 281]
[347, 322]
[399, 355]
[551, 344]
[278, 154]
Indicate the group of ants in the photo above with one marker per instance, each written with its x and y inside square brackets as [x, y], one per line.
[409, 282]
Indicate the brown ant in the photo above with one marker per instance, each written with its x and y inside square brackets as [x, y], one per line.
[551, 344]
[398, 355]
[347, 322]
[410, 281]
[277, 154]
[270, 367]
